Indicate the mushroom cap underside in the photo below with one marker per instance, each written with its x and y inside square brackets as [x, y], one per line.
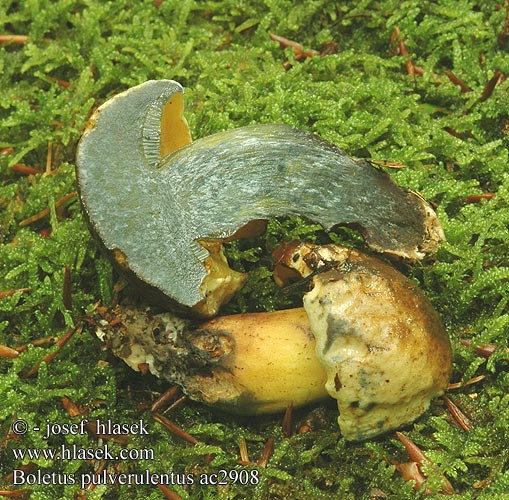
[153, 211]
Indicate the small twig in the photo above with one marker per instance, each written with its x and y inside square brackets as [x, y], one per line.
[70, 407]
[49, 158]
[299, 53]
[414, 452]
[25, 468]
[306, 279]
[459, 416]
[266, 453]
[174, 428]
[14, 493]
[170, 494]
[394, 36]
[176, 404]
[458, 385]
[45, 233]
[329, 48]
[37, 343]
[14, 39]
[18, 39]
[244, 455]
[162, 402]
[400, 49]
[454, 79]
[287, 421]
[117, 438]
[46, 211]
[8, 293]
[60, 343]
[409, 65]
[8, 352]
[418, 457]
[60, 83]
[91, 486]
[285, 42]
[503, 36]
[453, 132]
[490, 85]
[484, 350]
[410, 471]
[387, 163]
[26, 170]
[476, 198]
[73, 411]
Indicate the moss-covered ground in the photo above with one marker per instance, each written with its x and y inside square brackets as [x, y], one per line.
[435, 100]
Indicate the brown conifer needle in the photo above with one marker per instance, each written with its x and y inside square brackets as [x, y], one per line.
[174, 428]
[170, 494]
[459, 416]
[46, 211]
[8, 352]
[266, 453]
[287, 421]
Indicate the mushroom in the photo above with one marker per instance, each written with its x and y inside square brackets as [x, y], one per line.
[384, 347]
[163, 205]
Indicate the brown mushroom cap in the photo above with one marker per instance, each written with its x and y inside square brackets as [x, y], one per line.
[384, 347]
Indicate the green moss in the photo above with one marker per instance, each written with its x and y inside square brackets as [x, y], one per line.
[454, 145]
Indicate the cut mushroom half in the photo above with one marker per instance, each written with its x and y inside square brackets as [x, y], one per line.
[158, 201]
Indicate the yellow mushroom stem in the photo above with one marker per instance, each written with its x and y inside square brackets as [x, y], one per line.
[271, 364]
[245, 364]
